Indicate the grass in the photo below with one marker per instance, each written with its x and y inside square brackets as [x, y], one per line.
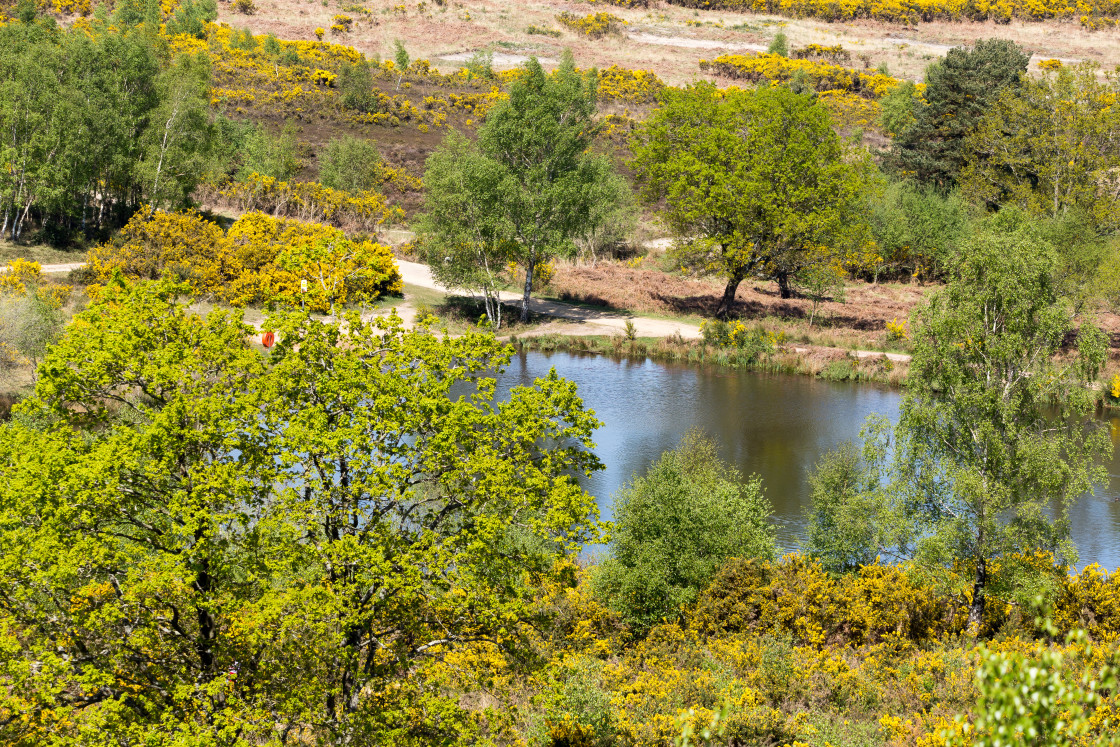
[41, 253]
[826, 365]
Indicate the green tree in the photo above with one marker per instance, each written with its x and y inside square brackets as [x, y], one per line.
[355, 86]
[203, 544]
[993, 441]
[755, 183]
[466, 241]
[191, 17]
[854, 518]
[917, 229]
[543, 189]
[29, 324]
[959, 91]
[779, 45]
[898, 106]
[351, 164]
[270, 155]
[675, 526]
[177, 140]
[1049, 146]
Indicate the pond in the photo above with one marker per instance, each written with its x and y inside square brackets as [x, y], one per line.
[774, 425]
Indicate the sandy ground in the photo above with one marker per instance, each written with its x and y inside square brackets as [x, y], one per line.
[667, 39]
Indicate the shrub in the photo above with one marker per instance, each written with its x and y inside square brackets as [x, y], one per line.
[675, 526]
[246, 7]
[779, 45]
[896, 330]
[595, 25]
[155, 243]
[260, 259]
[822, 76]
[541, 31]
[350, 164]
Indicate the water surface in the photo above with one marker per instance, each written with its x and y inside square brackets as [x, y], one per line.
[774, 425]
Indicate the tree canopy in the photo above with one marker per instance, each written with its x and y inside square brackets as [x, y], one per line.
[530, 176]
[675, 526]
[754, 183]
[993, 444]
[202, 542]
[960, 88]
[1049, 147]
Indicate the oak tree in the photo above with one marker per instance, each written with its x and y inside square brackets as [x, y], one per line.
[753, 183]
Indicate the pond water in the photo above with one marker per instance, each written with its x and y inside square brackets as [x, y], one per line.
[773, 425]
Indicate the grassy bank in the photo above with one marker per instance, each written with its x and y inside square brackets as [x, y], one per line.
[830, 364]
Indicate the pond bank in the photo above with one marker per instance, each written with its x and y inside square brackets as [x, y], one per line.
[830, 364]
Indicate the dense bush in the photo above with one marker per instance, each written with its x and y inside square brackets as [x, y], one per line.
[260, 259]
[822, 76]
[675, 526]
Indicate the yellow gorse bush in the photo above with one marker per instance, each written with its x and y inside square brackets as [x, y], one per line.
[823, 76]
[595, 25]
[629, 86]
[311, 202]
[262, 258]
[1089, 12]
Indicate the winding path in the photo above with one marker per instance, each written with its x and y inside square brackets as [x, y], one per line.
[578, 319]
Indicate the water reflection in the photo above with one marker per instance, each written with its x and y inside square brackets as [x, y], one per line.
[777, 426]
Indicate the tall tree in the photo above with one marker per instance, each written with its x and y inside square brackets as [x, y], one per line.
[754, 183]
[1050, 147]
[959, 90]
[196, 539]
[993, 439]
[546, 187]
[177, 138]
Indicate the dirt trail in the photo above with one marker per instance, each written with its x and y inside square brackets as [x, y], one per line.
[579, 320]
[574, 320]
[589, 321]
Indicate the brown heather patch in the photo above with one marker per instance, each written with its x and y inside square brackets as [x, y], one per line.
[649, 291]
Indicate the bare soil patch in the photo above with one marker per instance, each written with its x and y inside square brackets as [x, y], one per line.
[642, 290]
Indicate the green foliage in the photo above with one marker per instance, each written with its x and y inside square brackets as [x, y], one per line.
[191, 17]
[1036, 697]
[178, 138]
[917, 229]
[820, 282]
[263, 153]
[674, 527]
[350, 164]
[198, 539]
[898, 106]
[528, 188]
[400, 55]
[960, 89]
[779, 45]
[851, 521]
[93, 126]
[992, 438]
[355, 86]
[1049, 146]
[29, 324]
[481, 65]
[755, 183]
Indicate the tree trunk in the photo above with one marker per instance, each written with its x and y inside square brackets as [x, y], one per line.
[785, 290]
[728, 300]
[976, 609]
[529, 267]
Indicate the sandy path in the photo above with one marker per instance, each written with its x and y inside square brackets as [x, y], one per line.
[577, 320]
[591, 321]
